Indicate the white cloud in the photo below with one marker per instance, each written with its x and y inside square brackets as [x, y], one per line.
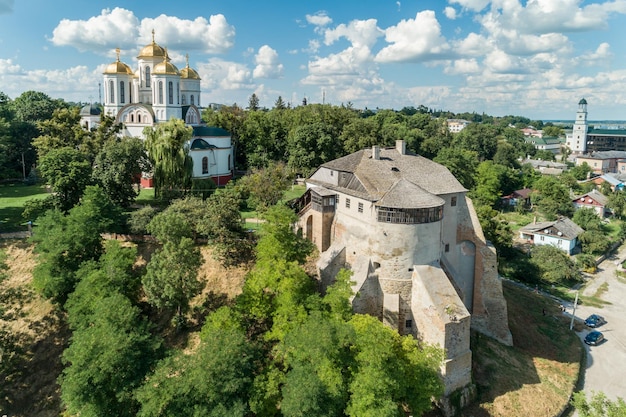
[267, 62]
[212, 36]
[474, 5]
[319, 19]
[6, 6]
[359, 32]
[473, 45]
[226, 75]
[8, 67]
[499, 61]
[450, 12]
[121, 28]
[462, 66]
[111, 29]
[414, 40]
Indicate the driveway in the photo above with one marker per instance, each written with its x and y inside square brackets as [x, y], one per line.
[606, 363]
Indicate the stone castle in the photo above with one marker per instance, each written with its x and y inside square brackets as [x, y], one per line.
[406, 229]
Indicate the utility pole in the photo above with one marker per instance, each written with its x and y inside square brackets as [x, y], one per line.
[571, 324]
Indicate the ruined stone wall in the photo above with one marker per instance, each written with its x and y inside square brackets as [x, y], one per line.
[489, 310]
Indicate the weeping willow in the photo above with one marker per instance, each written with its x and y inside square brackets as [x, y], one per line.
[167, 145]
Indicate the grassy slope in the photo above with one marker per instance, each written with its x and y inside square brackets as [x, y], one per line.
[12, 199]
[536, 376]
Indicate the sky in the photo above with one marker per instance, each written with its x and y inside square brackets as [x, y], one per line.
[532, 58]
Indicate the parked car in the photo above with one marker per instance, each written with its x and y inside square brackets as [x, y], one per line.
[594, 338]
[595, 320]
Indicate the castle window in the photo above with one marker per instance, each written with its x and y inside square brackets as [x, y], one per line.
[360, 207]
[170, 92]
[122, 95]
[111, 92]
[347, 203]
[410, 216]
[453, 201]
[147, 76]
[447, 248]
[205, 165]
[408, 324]
[160, 92]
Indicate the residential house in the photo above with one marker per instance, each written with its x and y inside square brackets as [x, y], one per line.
[594, 200]
[562, 233]
[517, 198]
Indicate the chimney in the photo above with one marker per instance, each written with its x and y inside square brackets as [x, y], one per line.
[401, 147]
[375, 152]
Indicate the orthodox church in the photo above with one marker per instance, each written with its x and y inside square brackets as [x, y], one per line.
[158, 91]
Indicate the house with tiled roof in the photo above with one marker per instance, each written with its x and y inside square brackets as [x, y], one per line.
[517, 198]
[546, 143]
[405, 228]
[594, 200]
[562, 233]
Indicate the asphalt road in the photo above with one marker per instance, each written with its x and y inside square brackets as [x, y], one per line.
[606, 363]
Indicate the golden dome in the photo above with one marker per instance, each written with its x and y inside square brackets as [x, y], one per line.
[165, 67]
[188, 72]
[152, 50]
[118, 67]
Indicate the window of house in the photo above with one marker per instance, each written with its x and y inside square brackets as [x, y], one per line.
[170, 92]
[542, 238]
[205, 165]
[160, 92]
[453, 201]
[347, 203]
[360, 207]
[447, 247]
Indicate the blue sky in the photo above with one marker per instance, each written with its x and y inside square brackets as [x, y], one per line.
[534, 58]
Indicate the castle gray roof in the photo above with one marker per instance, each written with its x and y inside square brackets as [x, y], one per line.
[393, 180]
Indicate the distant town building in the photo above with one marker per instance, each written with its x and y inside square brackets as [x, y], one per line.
[406, 229]
[585, 139]
[602, 162]
[545, 143]
[456, 125]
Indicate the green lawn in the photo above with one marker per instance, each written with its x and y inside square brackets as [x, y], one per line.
[12, 199]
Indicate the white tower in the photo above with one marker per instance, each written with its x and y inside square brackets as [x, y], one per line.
[118, 86]
[578, 141]
[166, 91]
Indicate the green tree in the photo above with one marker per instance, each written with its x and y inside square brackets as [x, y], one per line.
[581, 172]
[118, 166]
[112, 273]
[34, 106]
[167, 146]
[171, 279]
[63, 243]
[223, 225]
[496, 230]
[391, 374]
[213, 381]
[68, 172]
[554, 265]
[107, 360]
[253, 102]
[266, 186]
[311, 145]
[61, 130]
[279, 104]
[552, 198]
[462, 164]
[617, 204]
[598, 405]
[553, 131]
[480, 138]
